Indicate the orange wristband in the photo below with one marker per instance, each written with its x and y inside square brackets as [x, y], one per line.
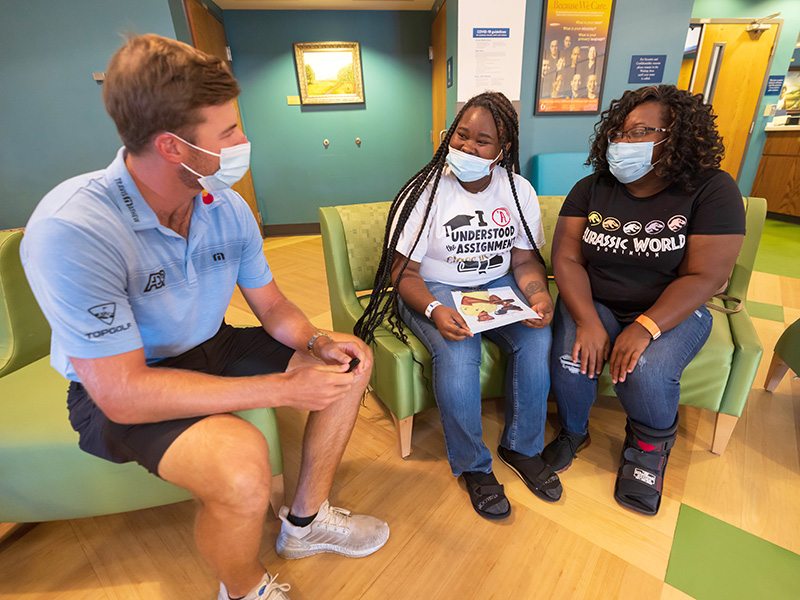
[650, 325]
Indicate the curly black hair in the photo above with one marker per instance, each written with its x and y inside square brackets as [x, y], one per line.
[507, 123]
[693, 145]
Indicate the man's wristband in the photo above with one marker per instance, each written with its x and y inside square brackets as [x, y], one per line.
[650, 325]
[431, 306]
[314, 338]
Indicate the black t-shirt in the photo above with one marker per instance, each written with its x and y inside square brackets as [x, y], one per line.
[633, 246]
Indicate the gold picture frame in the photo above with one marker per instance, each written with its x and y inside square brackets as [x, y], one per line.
[329, 72]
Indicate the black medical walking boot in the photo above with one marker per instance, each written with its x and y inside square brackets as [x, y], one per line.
[640, 479]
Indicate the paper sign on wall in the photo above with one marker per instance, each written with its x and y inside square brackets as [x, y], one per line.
[647, 69]
[490, 47]
[774, 85]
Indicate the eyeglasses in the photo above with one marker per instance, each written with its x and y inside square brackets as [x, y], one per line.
[633, 135]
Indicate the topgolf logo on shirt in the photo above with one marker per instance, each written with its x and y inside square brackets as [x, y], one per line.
[105, 312]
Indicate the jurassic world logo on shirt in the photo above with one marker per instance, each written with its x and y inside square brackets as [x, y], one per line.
[609, 234]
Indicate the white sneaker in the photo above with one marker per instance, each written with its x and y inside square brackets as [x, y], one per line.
[266, 589]
[333, 530]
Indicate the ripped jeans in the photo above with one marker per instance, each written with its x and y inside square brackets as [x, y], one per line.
[650, 394]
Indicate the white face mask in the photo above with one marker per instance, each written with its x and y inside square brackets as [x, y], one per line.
[233, 164]
[629, 162]
[468, 167]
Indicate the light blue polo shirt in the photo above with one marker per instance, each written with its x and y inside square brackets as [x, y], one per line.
[110, 278]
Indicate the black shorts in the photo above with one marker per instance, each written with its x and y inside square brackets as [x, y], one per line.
[231, 352]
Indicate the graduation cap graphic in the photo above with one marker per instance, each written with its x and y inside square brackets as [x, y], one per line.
[456, 222]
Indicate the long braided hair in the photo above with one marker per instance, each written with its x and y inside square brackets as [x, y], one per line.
[506, 121]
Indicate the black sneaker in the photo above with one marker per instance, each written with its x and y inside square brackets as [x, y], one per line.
[560, 452]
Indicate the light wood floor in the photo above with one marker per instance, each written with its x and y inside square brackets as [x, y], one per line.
[584, 546]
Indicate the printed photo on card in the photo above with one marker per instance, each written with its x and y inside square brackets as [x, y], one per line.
[494, 307]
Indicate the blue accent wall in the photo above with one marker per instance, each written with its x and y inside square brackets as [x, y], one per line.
[53, 124]
[293, 173]
[752, 9]
[639, 27]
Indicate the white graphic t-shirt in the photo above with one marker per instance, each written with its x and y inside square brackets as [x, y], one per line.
[468, 237]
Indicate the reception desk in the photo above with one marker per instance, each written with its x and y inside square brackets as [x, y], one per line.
[778, 176]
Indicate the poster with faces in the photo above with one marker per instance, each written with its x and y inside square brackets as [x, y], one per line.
[574, 42]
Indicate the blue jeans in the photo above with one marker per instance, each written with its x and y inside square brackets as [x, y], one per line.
[649, 394]
[456, 382]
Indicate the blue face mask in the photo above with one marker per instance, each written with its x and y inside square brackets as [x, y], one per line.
[631, 162]
[468, 167]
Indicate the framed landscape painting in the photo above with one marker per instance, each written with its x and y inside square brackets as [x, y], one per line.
[329, 72]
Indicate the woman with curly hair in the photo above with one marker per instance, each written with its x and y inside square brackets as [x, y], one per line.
[639, 247]
[467, 222]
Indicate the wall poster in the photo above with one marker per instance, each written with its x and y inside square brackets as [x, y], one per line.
[491, 36]
[572, 56]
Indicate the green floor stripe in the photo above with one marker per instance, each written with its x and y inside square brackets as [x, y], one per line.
[779, 250]
[760, 310]
[712, 560]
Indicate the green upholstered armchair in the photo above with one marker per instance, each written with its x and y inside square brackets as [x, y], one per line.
[718, 379]
[785, 356]
[43, 474]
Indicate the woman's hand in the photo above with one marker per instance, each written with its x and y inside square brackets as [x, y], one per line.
[542, 303]
[628, 347]
[450, 323]
[592, 347]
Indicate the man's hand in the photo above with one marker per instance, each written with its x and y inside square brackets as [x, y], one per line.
[450, 323]
[318, 386]
[341, 353]
[628, 347]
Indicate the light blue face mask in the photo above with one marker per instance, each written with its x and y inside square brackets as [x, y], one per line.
[468, 167]
[630, 162]
[234, 162]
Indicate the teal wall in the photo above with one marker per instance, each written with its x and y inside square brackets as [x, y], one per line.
[747, 9]
[53, 124]
[639, 27]
[293, 172]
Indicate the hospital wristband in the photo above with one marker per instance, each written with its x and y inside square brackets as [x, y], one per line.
[650, 325]
[431, 306]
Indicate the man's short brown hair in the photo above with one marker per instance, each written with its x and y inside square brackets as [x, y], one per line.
[155, 84]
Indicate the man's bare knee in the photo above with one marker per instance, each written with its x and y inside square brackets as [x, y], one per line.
[221, 460]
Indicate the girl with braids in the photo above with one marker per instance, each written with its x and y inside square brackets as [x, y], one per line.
[639, 247]
[466, 222]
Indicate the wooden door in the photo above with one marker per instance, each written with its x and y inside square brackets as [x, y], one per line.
[743, 65]
[208, 35]
[439, 43]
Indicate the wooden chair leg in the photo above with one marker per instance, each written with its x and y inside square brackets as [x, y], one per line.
[276, 494]
[777, 369]
[722, 432]
[404, 427]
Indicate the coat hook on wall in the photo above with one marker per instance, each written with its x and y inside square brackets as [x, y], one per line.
[358, 142]
[326, 143]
